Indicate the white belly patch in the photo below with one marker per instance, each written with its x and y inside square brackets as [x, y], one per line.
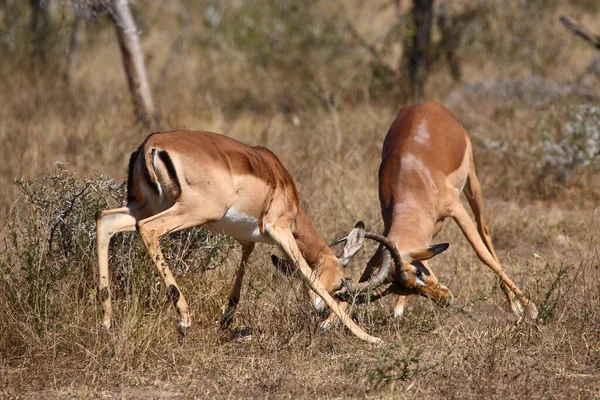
[240, 226]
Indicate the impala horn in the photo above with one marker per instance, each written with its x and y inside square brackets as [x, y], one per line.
[390, 252]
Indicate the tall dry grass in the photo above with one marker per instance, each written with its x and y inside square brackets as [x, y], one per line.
[286, 75]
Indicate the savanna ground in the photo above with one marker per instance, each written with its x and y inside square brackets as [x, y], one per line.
[287, 75]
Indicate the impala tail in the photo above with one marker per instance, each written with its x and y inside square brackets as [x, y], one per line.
[157, 171]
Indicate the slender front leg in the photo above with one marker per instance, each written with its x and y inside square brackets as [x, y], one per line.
[373, 264]
[465, 223]
[108, 223]
[286, 241]
[234, 296]
[333, 318]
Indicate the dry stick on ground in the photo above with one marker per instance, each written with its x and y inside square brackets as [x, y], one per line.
[580, 30]
[133, 60]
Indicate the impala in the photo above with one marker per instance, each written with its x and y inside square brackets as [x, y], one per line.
[427, 161]
[182, 179]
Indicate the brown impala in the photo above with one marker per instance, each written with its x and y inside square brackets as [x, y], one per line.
[182, 179]
[427, 161]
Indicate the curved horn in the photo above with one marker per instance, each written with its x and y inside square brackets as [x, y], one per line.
[379, 278]
[388, 244]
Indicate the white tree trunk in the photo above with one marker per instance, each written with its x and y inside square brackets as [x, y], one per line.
[133, 60]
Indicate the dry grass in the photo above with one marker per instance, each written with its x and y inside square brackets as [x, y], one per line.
[545, 222]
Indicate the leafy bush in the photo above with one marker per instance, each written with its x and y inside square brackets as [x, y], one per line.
[576, 143]
[568, 141]
[293, 51]
[521, 50]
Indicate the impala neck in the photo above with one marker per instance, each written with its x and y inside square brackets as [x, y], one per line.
[311, 245]
[409, 228]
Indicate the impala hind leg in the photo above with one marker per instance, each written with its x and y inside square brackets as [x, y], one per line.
[234, 296]
[152, 229]
[108, 223]
[475, 198]
[465, 223]
[286, 241]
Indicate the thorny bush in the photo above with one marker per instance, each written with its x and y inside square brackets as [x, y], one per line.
[47, 261]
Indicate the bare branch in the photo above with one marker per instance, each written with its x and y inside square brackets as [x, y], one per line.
[362, 41]
[133, 60]
[580, 30]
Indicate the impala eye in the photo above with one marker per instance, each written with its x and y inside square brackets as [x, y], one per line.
[418, 274]
[420, 270]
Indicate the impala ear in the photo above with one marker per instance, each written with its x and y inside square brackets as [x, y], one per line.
[427, 253]
[351, 244]
[283, 265]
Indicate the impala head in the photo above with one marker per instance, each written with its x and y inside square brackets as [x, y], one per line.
[333, 261]
[415, 276]
[408, 271]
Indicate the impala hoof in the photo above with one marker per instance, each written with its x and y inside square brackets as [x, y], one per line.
[517, 309]
[244, 334]
[226, 319]
[398, 312]
[105, 325]
[324, 327]
[183, 329]
[532, 311]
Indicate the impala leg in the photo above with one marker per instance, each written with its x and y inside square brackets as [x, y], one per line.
[373, 264]
[465, 223]
[108, 223]
[152, 229]
[234, 296]
[286, 241]
[400, 304]
[475, 198]
[333, 318]
[398, 312]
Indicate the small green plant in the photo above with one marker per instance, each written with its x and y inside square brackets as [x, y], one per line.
[391, 367]
[550, 302]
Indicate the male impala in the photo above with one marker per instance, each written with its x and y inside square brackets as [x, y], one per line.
[182, 179]
[427, 160]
